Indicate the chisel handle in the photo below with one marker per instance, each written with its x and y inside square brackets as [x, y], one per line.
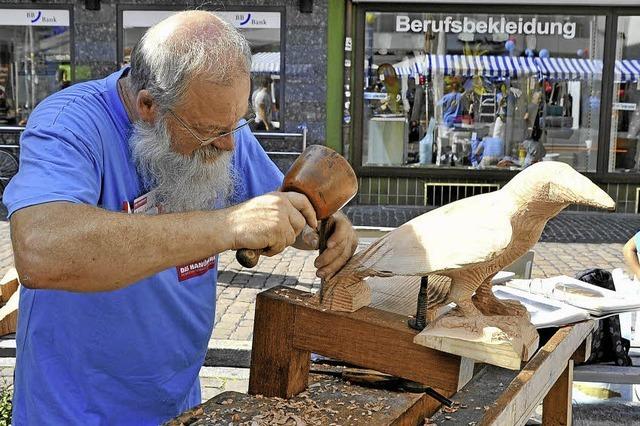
[248, 257]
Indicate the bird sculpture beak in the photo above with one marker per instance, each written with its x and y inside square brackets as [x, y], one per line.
[584, 192]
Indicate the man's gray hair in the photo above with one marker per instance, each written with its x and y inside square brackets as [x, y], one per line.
[183, 46]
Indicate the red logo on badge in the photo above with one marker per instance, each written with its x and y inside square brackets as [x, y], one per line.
[195, 269]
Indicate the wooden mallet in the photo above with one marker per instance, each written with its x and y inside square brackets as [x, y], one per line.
[326, 179]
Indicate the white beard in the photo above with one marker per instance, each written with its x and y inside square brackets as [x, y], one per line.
[182, 182]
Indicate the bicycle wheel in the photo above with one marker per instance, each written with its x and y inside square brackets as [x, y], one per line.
[8, 166]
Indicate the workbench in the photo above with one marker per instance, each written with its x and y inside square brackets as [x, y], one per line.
[289, 327]
[327, 401]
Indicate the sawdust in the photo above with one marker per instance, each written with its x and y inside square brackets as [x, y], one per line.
[305, 409]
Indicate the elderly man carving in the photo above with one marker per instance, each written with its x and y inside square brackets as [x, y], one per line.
[118, 308]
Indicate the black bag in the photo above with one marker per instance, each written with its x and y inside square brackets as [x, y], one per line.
[607, 344]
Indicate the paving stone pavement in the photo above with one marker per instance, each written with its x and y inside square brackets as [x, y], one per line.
[238, 287]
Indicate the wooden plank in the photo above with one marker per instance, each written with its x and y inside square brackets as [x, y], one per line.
[415, 414]
[467, 367]
[556, 406]
[277, 367]
[369, 338]
[516, 404]
[477, 396]
[583, 353]
[504, 347]
[328, 400]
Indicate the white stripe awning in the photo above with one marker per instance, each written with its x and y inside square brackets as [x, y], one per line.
[265, 63]
[627, 70]
[568, 69]
[411, 67]
[485, 66]
[514, 67]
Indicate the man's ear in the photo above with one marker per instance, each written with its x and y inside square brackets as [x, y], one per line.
[146, 106]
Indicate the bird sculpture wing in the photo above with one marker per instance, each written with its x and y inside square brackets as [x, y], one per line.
[464, 233]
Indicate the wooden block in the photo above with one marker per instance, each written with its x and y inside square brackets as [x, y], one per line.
[289, 324]
[377, 340]
[517, 402]
[348, 297]
[399, 294]
[556, 407]
[8, 285]
[502, 346]
[277, 367]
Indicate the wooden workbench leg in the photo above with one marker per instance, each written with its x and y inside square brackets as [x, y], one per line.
[556, 407]
[277, 368]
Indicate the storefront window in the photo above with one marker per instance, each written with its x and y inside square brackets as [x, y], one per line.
[481, 91]
[35, 60]
[262, 30]
[625, 124]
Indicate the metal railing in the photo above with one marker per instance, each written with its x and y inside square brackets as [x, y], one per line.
[16, 129]
[10, 130]
[9, 153]
[275, 135]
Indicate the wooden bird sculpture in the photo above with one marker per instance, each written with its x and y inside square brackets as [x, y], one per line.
[469, 241]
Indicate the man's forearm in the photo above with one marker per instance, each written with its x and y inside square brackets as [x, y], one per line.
[631, 259]
[82, 248]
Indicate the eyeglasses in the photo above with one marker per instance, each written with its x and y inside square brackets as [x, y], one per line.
[204, 142]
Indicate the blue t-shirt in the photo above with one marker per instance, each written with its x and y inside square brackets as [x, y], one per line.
[493, 147]
[130, 356]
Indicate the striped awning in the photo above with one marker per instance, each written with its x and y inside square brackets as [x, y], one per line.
[627, 70]
[568, 69]
[513, 67]
[484, 66]
[265, 63]
[411, 67]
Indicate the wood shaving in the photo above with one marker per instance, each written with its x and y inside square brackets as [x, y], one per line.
[373, 407]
